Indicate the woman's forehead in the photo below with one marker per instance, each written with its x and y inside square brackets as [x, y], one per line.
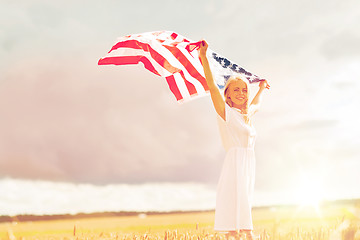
[239, 84]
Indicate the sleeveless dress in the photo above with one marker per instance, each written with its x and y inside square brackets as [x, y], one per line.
[236, 183]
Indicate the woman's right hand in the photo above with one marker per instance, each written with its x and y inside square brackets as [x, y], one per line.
[203, 47]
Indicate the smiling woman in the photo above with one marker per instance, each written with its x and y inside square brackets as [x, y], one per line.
[236, 184]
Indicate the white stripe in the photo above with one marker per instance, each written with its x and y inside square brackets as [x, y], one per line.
[164, 73]
[182, 87]
[193, 55]
[197, 65]
[149, 38]
[163, 51]
[158, 47]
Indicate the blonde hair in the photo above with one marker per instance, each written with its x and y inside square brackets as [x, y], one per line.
[232, 79]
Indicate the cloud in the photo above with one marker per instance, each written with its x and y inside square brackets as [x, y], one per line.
[45, 197]
[86, 125]
[343, 45]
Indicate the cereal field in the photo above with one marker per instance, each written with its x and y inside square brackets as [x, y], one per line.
[287, 223]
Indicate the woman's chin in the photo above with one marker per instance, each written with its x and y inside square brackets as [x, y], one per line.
[239, 103]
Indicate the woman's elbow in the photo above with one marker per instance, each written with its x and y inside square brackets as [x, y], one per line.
[221, 113]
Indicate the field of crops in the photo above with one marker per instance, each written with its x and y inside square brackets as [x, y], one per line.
[333, 222]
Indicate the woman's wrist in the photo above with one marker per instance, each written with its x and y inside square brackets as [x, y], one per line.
[202, 54]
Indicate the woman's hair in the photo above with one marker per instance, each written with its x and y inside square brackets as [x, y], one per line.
[244, 108]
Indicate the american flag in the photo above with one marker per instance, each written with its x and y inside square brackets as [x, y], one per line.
[175, 58]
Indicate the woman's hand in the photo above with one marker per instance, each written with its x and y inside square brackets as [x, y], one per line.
[264, 84]
[203, 48]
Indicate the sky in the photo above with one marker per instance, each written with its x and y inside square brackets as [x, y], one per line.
[70, 125]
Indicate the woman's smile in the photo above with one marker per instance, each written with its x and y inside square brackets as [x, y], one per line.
[240, 98]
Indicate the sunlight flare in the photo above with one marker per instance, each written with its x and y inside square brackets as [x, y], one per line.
[309, 190]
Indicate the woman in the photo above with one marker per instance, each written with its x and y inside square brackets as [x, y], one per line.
[236, 183]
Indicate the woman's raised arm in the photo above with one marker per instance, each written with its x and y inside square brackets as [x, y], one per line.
[216, 97]
[255, 103]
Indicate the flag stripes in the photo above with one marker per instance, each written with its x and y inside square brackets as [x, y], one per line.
[171, 56]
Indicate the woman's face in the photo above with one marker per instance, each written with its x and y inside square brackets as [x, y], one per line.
[238, 92]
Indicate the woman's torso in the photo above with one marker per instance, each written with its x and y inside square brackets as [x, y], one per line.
[234, 131]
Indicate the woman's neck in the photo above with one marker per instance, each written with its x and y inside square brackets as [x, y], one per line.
[241, 108]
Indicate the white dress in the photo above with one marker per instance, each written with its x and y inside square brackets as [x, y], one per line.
[236, 184]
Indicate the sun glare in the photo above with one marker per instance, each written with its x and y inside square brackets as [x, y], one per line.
[309, 191]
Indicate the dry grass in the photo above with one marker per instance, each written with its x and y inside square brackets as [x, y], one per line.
[285, 223]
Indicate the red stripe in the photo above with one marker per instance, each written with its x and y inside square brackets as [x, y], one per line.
[188, 66]
[147, 48]
[192, 46]
[128, 43]
[190, 87]
[173, 36]
[124, 60]
[174, 88]
[135, 44]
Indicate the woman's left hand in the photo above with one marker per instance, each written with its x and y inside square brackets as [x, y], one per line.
[264, 84]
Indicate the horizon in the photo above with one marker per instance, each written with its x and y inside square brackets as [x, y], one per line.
[59, 198]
